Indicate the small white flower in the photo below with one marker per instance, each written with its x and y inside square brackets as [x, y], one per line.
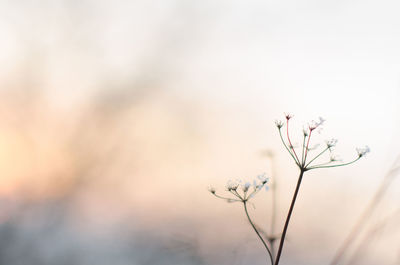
[363, 151]
[246, 186]
[232, 185]
[315, 124]
[331, 143]
[279, 123]
[255, 185]
[305, 132]
[335, 158]
[315, 146]
[263, 179]
[288, 116]
[211, 189]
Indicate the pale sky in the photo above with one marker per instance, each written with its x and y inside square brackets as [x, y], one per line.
[214, 75]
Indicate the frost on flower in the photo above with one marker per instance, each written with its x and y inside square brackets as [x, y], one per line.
[363, 151]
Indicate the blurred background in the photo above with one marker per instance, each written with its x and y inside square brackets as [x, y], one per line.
[115, 116]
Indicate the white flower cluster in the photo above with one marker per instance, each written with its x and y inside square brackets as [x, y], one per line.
[315, 124]
[257, 184]
[363, 151]
[331, 143]
[303, 157]
[242, 190]
[279, 123]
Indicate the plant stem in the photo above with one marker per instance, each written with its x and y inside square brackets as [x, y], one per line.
[272, 231]
[369, 236]
[282, 241]
[361, 221]
[303, 162]
[316, 156]
[258, 234]
[290, 143]
[290, 152]
[339, 165]
[308, 143]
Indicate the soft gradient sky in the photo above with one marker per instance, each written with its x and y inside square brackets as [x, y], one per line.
[139, 105]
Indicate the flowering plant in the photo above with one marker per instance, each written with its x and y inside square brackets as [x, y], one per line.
[304, 161]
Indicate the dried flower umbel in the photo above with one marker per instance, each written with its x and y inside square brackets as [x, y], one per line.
[305, 163]
[243, 192]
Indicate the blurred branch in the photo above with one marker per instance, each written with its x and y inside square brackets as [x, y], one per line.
[369, 210]
[367, 239]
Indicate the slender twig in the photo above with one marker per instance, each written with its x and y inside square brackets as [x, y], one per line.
[258, 234]
[323, 151]
[304, 166]
[282, 241]
[225, 198]
[366, 214]
[234, 192]
[272, 237]
[370, 234]
[303, 148]
[339, 165]
[290, 143]
[290, 152]
[308, 143]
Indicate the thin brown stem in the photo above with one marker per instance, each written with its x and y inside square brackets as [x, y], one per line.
[282, 241]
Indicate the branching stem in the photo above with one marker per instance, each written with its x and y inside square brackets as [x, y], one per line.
[290, 152]
[258, 234]
[290, 143]
[282, 241]
[317, 156]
